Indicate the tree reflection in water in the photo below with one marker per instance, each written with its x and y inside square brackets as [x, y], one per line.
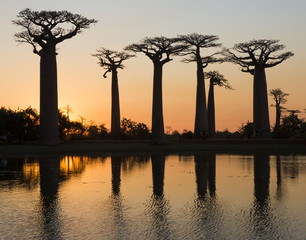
[279, 189]
[54, 171]
[116, 203]
[207, 213]
[264, 223]
[49, 185]
[116, 174]
[180, 206]
[159, 207]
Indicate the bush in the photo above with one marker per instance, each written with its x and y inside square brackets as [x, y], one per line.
[247, 130]
[131, 129]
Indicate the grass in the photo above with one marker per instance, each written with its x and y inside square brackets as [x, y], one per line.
[128, 146]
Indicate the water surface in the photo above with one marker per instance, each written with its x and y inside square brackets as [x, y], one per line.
[157, 196]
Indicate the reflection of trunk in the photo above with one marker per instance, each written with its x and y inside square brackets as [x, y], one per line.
[116, 169]
[262, 217]
[201, 169]
[205, 169]
[261, 178]
[279, 178]
[260, 104]
[201, 125]
[159, 207]
[48, 131]
[115, 125]
[277, 119]
[211, 110]
[49, 184]
[212, 174]
[157, 111]
[49, 180]
[158, 171]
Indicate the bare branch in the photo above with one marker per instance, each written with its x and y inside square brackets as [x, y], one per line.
[108, 70]
[24, 37]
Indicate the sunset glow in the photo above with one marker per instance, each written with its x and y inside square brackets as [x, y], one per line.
[80, 79]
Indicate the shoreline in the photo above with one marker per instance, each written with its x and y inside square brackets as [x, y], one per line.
[273, 146]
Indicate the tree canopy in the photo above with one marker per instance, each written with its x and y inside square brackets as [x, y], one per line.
[111, 60]
[278, 96]
[194, 42]
[218, 79]
[256, 53]
[42, 27]
[158, 49]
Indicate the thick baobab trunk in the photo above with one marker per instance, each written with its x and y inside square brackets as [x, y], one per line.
[201, 124]
[157, 110]
[260, 104]
[48, 130]
[211, 110]
[277, 119]
[115, 124]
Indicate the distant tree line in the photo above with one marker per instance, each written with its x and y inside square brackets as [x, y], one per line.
[291, 126]
[23, 125]
[18, 126]
[43, 30]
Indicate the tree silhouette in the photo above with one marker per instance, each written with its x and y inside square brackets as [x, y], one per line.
[20, 125]
[215, 79]
[111, 61]
[159, 50]
[280, 98]
[44, 30]
[292, 124]
[194, 43]
[254, 57]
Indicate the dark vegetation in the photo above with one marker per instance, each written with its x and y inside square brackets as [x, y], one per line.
[22, 125]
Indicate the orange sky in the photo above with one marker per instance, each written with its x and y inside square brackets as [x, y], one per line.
[80, 81]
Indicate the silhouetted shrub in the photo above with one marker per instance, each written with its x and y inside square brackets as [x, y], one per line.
[20, 125]
[187, 134]
[292, 127]
[247, 130]
[131, 129]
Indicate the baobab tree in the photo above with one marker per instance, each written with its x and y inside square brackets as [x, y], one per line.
[254, 57]
[194, 43]
[44, 30]
[280, 98]
[159, 50]
[216, 79]
[111, 61]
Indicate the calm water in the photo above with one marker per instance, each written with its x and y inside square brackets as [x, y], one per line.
[196, 196]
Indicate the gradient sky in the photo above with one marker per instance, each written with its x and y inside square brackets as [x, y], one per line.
[82, 86]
